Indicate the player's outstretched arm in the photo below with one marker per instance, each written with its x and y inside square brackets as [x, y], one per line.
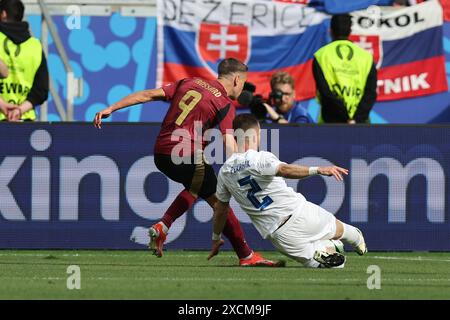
[221, 210]
[130, 100]
[293, 171]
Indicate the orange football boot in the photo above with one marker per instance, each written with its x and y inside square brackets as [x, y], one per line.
[157, 239]
[256, 260]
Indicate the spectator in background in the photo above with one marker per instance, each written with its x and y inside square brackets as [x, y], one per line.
[27, 83]
[345, 76]
[4, 72]
[283, 108]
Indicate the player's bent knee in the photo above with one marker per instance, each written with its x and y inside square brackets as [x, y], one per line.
[339, 230]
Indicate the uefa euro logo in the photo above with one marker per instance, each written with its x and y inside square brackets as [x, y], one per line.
[215, 42]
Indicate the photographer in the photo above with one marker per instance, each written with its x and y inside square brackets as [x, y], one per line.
[282, 107]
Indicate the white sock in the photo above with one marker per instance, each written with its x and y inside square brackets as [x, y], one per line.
[328, 246]
[248, 257]
[350, 235]
[164, 227]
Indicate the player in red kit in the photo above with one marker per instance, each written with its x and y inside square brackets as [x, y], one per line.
[196, 105]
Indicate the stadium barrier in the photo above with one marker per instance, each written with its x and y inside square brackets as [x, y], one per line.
[69, 185]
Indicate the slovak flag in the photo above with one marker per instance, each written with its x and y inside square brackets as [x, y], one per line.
[194, 36]
[407, 47]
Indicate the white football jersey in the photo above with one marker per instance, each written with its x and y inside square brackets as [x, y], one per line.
[251, 179]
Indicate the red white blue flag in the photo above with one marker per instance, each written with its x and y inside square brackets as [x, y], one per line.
[194, 36]
[407, 46]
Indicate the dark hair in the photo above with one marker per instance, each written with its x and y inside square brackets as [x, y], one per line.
[341, 25]
[245, 121]
[14, 9]
[231, 65]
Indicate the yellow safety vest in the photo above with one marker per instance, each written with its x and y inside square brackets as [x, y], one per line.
[345, 67]
[23, 61]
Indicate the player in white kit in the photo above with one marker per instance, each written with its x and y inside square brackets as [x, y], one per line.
[299, 229]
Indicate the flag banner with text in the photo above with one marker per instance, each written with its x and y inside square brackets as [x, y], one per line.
[194, 36]
[407, 47]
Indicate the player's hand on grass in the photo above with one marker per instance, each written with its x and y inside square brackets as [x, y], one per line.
[105, 113]
[335, 171]
[216, 244]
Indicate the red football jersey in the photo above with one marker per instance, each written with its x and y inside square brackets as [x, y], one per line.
[196, 105]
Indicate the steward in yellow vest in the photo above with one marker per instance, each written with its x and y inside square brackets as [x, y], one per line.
[346, 77]
[27, 83]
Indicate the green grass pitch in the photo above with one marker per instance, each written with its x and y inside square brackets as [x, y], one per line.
[188, 275]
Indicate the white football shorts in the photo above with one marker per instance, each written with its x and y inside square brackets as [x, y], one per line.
[300, 236]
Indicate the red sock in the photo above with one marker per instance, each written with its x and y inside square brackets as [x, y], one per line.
[235, 234]
[182, 203]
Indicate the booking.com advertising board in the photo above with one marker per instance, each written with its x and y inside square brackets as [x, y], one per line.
[74, 186]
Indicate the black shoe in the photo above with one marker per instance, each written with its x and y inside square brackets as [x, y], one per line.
[329, 260]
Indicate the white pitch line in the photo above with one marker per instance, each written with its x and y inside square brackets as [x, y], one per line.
[212, 280]
[138, 254]
[409, 259]
[56, 255]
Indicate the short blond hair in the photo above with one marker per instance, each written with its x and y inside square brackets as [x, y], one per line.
[281, 77]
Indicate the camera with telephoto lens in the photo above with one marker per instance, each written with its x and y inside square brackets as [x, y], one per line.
[254, 102]
[275, 98]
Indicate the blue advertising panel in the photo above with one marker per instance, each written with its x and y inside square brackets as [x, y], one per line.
[74, 186]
